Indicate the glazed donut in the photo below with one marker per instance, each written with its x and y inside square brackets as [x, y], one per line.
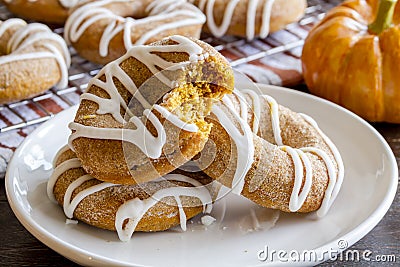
[277, 158]
[48, 11]
[154, 206]
[104, 30]
[163, 136]
[32, 60]
[249, 18]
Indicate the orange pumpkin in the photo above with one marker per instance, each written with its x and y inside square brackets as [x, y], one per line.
[352, 57]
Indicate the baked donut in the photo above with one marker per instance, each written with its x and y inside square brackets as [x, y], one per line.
[48, 11]
[249, 18]
[275, 157]
[102, 31]
[153, 206]
[32, 60]
[151, 140]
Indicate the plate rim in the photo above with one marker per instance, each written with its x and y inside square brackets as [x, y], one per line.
[79, 255]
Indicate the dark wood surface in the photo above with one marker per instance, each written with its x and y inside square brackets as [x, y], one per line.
[19, 248]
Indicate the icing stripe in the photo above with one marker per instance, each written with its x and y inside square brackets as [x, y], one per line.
[274, 112]
[256, 108]
[219, 31]
[141, 137]
[70, 206]
[31, 35]
[68, 3]
[207, 6]
[163, 6]
[327, 200]
[5, 25]
[61, 151]
[297, 199]
[244, 144]
[338, 159]
[60, 169]
[182, 13]
[134, 209]
[175, 120]
[302, 164]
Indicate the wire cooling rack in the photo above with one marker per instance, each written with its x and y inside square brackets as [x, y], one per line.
[43, 107]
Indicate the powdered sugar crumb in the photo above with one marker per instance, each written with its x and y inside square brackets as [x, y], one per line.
[207, 220]
[69, 221]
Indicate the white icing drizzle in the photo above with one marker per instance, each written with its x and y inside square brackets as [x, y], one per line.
[163, 6]
[64, 3]
[243, 141]
[274, 112]
[256, 108]
[61, 151]
[297, 199]
[71, 205]
[141, 137]
[207, 6]
[31, 35]
[134, 209]
[69, 3]
[227, 17]
[5, 25]
[300, 159]
[335, 185]
[60, 169]
[89, 14]
[175, 120]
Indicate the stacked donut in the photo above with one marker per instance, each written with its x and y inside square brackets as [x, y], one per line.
[48, 11]
[249, 18]
[102, 31]
[118, 176]
[32, 59]
[148, 113]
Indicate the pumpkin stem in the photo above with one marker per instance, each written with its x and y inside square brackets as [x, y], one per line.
[384, 16]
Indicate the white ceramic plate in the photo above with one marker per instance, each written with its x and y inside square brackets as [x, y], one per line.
[368, 190]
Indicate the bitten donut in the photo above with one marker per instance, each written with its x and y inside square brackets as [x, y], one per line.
[249, 18]
[32, 60]
[117, 114]
[102, 31]
[154, 206]
[277, 158]
[48, 11]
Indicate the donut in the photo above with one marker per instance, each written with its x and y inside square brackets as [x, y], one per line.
[48, 11]
[102, 31]
[271, 155]
[32, 60]
[154, 206]
[164, 126]
[249, 18]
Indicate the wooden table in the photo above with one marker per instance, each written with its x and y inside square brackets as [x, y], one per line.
[19, 248]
